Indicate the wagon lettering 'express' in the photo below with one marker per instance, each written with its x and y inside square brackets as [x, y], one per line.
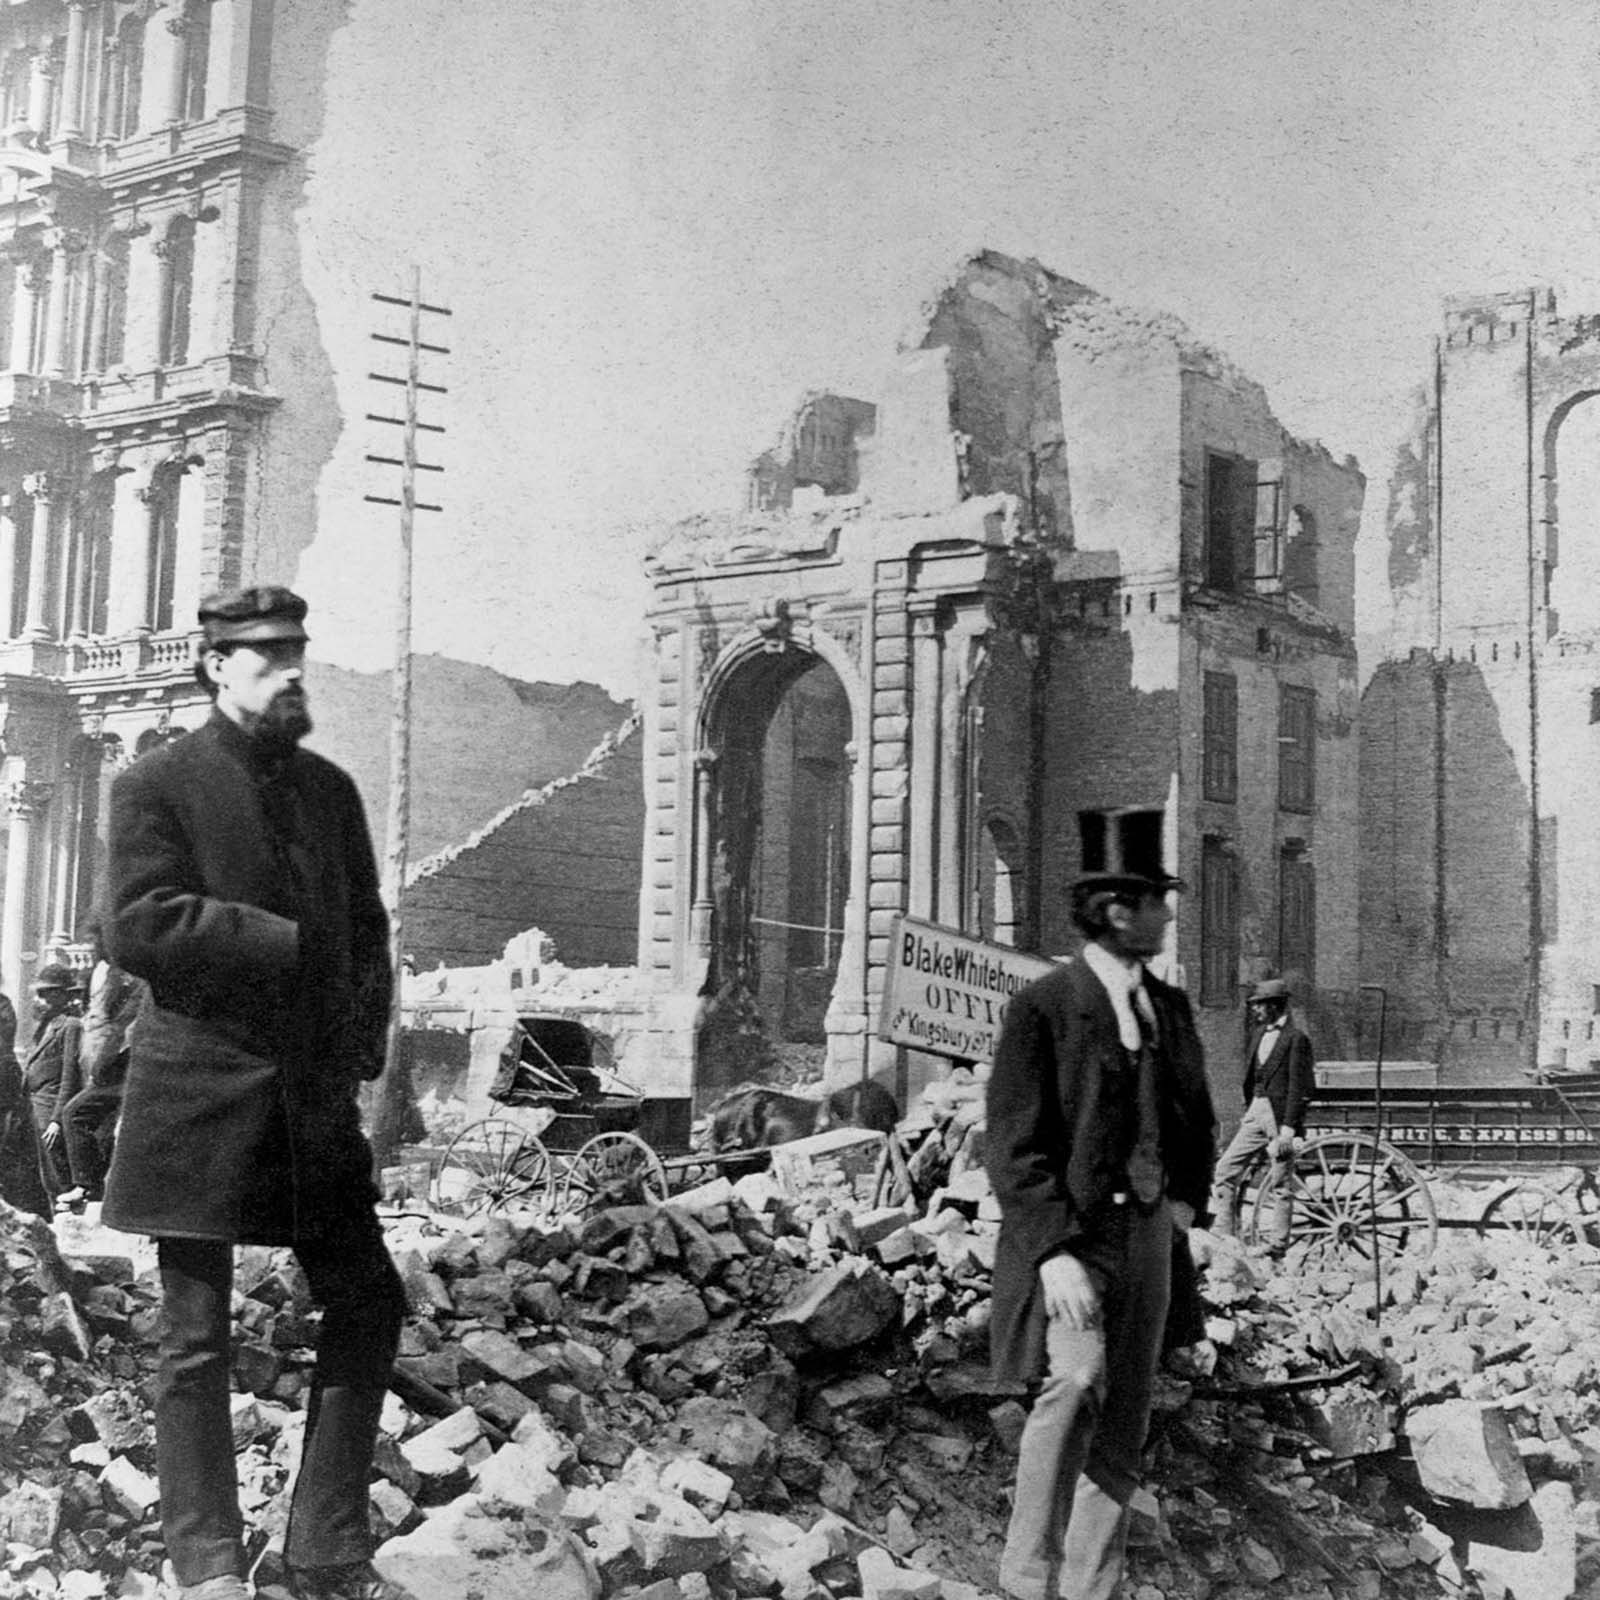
[946, 992]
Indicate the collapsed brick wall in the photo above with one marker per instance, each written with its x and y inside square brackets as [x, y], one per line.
[564, 858]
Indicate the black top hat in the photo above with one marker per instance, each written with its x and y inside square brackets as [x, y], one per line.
[252, 616]
[55, 976]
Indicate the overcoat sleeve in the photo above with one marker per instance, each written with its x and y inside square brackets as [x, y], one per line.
[1026, 1137]
[163, 925]
[71, 1064]
[1302, 1082]
[372, 969]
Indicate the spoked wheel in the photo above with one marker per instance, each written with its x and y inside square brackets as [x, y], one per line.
[493, 1165]
[1536, 1213]
[613, 1169]
[1351, 1199]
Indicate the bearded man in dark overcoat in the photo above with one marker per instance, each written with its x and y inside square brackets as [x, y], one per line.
[244, 890]
[1099, 1144]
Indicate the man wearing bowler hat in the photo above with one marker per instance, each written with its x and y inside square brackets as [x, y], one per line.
[1099, 1144]
[244, 890]
[1279, 1081]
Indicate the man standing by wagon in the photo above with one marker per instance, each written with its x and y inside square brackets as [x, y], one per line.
[1099, 1145]
[244, 890]
[1279, 1081]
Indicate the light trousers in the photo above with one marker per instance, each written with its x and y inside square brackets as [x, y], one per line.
[1080, 1456]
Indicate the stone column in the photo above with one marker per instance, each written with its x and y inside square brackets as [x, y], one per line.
[703, 905]
[230, 81]
[922, 845]
[177, 62]
[72, 118]
[22, 308]
[39, 92]
[38, 487]
[8, 561]
[58, 328]
[24, 801]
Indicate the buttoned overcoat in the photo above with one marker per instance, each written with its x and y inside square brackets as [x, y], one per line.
[244, 890]
[1060, 1122]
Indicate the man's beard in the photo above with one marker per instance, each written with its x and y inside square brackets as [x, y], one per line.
[286, 721]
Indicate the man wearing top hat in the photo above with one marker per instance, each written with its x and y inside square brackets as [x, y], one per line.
[1279, 1081]
[1099, 1144]
[51, 1071]
[244, 890]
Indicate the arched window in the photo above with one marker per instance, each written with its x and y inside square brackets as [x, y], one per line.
[196, 59]
[128, 79]
[177, 290]
[96, 579]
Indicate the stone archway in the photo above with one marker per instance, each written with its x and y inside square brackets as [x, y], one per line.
[779, 838]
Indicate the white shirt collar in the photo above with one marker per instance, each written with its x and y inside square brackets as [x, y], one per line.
[1121, 977]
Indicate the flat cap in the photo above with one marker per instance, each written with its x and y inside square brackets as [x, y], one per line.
[55, 976]
[1133, 885]
[1268, 989]
[252, 616]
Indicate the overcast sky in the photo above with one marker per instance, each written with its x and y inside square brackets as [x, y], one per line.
[658, 224]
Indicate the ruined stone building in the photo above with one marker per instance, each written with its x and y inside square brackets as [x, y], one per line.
[1480, 883]
[144, 167]
[1064, 596]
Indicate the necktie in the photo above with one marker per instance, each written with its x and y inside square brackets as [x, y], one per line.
[1144, 1160]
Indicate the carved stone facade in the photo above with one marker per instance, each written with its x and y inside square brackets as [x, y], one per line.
[1079, 593]
[139, 170]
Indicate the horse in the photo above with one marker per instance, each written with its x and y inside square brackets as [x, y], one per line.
[756, 1118]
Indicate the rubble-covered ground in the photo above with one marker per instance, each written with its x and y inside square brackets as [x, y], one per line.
[770, 1388]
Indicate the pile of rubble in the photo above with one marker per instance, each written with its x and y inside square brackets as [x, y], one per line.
[774, 1387]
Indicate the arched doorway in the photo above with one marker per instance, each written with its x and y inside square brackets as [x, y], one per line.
[780, 865]
[1573, 577]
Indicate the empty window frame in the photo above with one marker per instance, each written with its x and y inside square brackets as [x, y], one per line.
[1297, 915]
[1230, 547]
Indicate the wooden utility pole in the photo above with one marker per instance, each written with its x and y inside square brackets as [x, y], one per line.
[395, 1092]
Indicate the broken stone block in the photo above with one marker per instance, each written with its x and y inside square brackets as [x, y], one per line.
[135, 1491]
[553, 1450]
[1536, 1555]
[31, 1514]
[393, 1511]
[839, 1485]
[612, 1227]
[499, 1404]
[675, 1538]
[877, 1224]
[662, 1316]
[731, 1439]
[1465, 1452]
[62, 1328]
[519, 1475]
[848, 1305]
[862, 1398]
[539, 1301]
[473, 1551]
[568, 1408]
[702, 1485]
[883, 1579]
[501, 1357]
[441, 1474]
[117, 1419]
[455, 1432]
[1350, 1422]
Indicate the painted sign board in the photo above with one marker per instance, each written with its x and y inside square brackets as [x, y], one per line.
[945, 992]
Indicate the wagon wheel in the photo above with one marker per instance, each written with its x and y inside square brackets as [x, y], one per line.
[493, 1165]
[611, 1169]
[1537, 1214]
[1345, 1190]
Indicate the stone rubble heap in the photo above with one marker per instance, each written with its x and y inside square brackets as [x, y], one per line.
[770, 1388]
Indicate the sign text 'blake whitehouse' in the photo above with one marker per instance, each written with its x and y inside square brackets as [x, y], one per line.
[946, 992]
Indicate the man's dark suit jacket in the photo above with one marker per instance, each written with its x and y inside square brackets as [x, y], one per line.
[1287, 1077]
[1061, 1112]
